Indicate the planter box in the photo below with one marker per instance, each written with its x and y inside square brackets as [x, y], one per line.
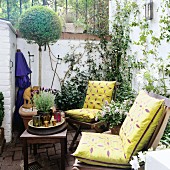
[2, 140]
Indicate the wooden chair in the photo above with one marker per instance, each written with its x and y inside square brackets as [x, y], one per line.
[153, 142]
[77, 125]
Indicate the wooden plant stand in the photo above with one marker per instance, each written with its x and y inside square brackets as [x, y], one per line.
[2, 139]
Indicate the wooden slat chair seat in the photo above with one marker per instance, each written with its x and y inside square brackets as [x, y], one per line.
[93, 90]
[152, 142]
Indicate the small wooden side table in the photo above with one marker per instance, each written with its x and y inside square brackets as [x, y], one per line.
[28, 138]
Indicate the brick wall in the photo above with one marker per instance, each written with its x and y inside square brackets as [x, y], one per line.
[7, 73]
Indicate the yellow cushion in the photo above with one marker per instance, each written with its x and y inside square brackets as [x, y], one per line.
[101, 149]
[97, 93]
[84, 115]
[140, 123]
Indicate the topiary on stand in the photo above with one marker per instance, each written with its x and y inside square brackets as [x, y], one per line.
[2, 139]
[42, 26]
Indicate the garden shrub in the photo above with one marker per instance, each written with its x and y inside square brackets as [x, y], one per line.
[71, 96]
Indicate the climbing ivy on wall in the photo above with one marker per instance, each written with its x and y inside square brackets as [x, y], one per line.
[114, 63]
[153, 67]
[151, 58]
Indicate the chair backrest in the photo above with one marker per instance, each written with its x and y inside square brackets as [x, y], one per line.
[159, 131]
[98, 92]
[140, 123]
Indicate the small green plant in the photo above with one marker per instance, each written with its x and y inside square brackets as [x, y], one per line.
[114, 113]
[71, 96]
[1, 108]
[44, 101]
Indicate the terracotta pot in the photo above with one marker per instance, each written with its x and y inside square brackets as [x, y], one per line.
[115, 130]
[26, 115]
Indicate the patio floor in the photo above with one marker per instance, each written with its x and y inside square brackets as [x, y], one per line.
[48, 155]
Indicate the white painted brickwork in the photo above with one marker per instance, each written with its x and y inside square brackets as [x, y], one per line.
[7, 74]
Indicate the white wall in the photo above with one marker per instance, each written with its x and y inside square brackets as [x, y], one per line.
[7, 74]
[61, 48]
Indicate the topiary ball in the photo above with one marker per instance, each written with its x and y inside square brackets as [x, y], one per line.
[40, 25]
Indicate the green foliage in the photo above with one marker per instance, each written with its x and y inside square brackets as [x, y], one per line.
[93, 19]
[166, 137]
[115, 60]
[156, 75]
[44, 101]
[72, 94]
[12, 11]
[40, 25]
[150, 80]
[125, 92]
[115, 113]
[1, 108]
[110, 64]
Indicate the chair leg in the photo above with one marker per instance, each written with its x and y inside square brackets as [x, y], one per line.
[73, 126]
[78, 131]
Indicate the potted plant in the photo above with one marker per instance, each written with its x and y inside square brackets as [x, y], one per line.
[114, 114]
[2, 139]
[44, 101]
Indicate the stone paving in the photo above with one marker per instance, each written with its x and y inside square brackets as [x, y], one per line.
[48, 155]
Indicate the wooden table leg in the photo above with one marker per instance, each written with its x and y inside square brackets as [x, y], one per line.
[62, 142]
[25, 153]
[66, 145]
[34, 149]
